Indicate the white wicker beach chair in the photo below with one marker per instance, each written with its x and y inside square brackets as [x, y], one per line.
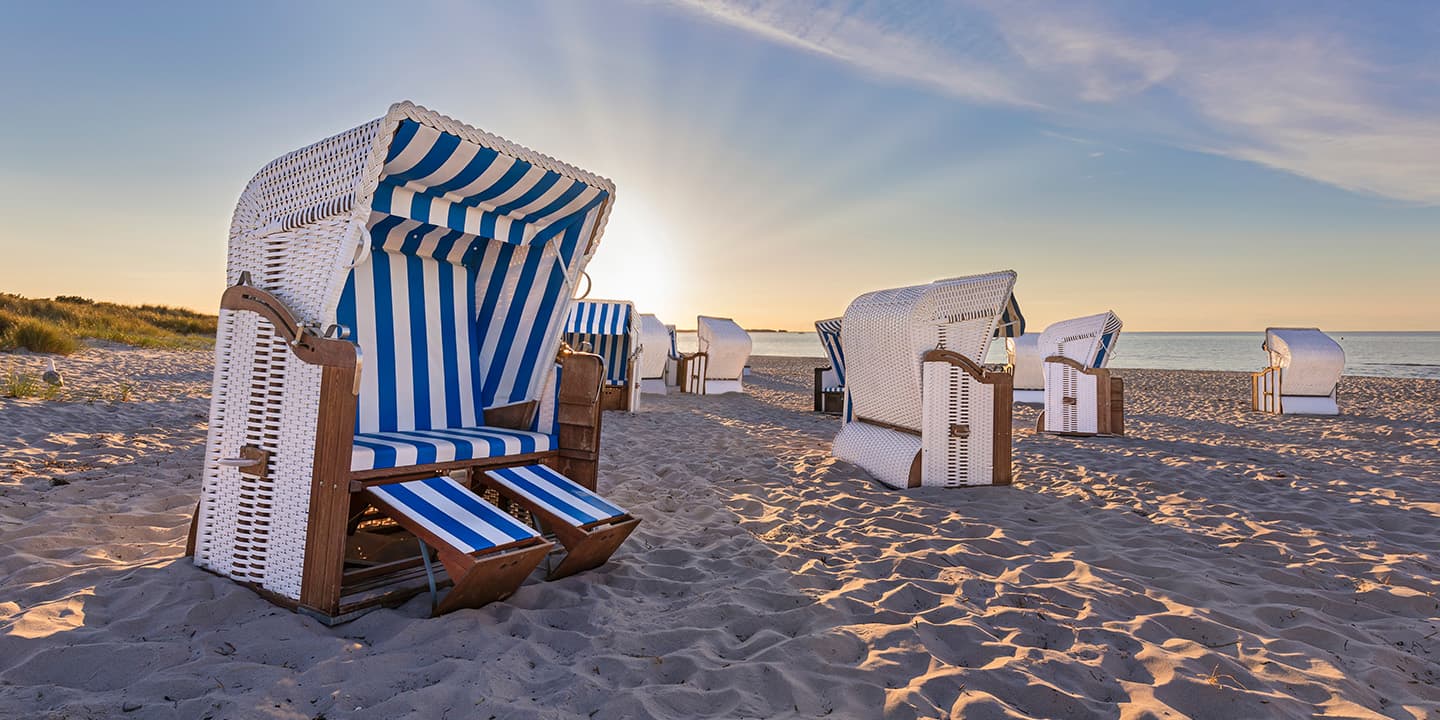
[442, 260]
[1023, 354]
[1081, 397]
[718, 366]
[830, 380]
[921, 409]
[610, 329]
[655, 360]
[1304, 373]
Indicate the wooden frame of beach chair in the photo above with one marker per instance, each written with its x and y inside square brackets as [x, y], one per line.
[1081, 396]
[830, 380]
[610, 329]
[1304, 373]
[921, 411]
[442, 259]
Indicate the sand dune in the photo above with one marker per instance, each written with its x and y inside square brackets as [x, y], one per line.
[1215, 563]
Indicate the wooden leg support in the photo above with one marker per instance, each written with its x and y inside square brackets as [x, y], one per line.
[482, 580]
[590, 548]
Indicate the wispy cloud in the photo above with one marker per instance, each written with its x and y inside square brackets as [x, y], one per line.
[1307, 99]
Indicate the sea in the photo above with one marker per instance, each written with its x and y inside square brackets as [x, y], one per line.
[1372, 354]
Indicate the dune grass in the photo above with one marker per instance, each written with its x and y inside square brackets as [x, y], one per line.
[58, 325]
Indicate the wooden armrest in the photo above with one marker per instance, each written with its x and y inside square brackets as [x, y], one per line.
[306, 345]
[974, 369]
[1062, 360]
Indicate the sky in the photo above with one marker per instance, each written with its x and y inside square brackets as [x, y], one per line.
[1192, 166]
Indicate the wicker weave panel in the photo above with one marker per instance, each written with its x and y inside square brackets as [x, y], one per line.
[1070, 400]
[958, 433]
[884, 453]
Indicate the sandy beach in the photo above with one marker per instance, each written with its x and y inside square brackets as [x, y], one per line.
[1215, 563]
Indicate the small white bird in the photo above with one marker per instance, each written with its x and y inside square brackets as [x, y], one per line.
[52, 376]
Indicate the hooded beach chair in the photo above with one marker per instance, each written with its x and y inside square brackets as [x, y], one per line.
[1081, 398]
[718, 366]
[656, 348]
[397, 296]
[1304, 373]
[610, 329]
[921, 408]
[830, 380]
[1023, 355]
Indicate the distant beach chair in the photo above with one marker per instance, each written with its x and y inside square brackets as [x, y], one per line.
[442, 261]
[610, 329]
[830, 380]
[656, 355]
[921, 408]
[718, 365]
[1081, 397]
[1304, 373]
[1023, 354]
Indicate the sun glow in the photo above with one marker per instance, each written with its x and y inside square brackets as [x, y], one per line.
[640, 261]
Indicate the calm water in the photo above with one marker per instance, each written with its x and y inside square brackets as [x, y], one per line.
[1382, 354]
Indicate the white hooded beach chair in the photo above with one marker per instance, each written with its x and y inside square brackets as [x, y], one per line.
[610, 329]
[830, 380]
[718, 366]
[656, 350]
[1023, 355]
[1081, 398]
[397, 295]
[1304, 373]
[922, 410]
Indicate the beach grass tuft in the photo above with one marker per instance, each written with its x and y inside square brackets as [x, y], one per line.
[58, 325]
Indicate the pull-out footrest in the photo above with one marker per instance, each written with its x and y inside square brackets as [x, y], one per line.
[486, 553]
[590, 527]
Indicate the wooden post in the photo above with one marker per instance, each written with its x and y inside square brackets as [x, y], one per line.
[329, 492]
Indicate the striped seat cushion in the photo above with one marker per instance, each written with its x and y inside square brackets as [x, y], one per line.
[558, 494]
[454, 514]
[374, 451]
[833, 389]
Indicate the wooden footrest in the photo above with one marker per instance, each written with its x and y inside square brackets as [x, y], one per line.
[486, 553]
[590, 527]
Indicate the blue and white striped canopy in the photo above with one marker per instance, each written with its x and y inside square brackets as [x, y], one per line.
[603, 327]
[475, 246]
[437, 178]
[829, 332]
[599, 317]
[1012, 322]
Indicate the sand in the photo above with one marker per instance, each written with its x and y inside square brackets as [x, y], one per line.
[1214, 563]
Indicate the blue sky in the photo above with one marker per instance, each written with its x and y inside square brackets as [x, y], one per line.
[1214, 166]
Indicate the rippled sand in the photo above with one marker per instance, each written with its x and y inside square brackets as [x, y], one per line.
[1214, 563]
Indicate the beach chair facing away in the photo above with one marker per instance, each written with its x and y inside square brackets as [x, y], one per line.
[718, 366]
[655, 359]
[610, 329]
[397, 297]
[1081, 398]
[1304, 373]
[921, 409]
[830, 380]
[1023, 354]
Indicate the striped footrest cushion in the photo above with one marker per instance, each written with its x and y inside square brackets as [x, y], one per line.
[452, 513]
[374, 451]
[560, 495]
